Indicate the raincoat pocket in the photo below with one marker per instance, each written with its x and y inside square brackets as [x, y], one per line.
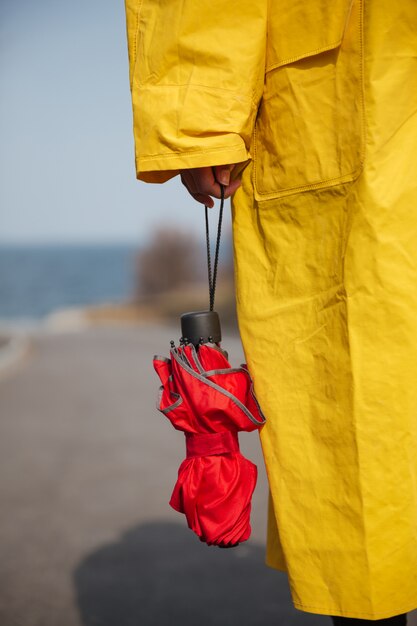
[309, 129]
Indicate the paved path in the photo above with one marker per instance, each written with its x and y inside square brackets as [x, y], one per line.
[87, 466]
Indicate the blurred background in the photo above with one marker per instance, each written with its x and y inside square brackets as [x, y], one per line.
[76, 228]
[95, 269]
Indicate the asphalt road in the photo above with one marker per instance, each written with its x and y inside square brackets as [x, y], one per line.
[87, 466]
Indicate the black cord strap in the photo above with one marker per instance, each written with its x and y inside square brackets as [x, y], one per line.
[212, 276]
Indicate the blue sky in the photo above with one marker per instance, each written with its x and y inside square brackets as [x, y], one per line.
[66, 151]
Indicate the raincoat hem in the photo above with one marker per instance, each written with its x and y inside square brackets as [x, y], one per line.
[327, 610]
[280, 568]
[161, 167]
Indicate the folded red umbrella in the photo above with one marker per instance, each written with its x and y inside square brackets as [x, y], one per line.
[207, 399]
[202, 395]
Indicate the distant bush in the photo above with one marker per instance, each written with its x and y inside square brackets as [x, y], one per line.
[171, 277]
[171, 259]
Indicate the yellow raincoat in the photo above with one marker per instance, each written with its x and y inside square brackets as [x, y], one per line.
[319, 99]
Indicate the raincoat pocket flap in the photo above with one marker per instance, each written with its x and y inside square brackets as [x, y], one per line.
[301, 29]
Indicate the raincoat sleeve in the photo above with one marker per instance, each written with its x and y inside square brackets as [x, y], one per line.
[196, 77]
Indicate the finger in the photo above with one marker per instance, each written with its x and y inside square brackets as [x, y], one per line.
[230, 189]
[203, 199]
[189, 184]
[222, 173]
[204, 181]
[188, 181]
[201, 181]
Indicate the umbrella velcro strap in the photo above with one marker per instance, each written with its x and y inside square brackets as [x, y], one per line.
[208, 444]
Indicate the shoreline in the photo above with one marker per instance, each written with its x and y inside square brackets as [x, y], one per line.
[160, 308]
[164, 309]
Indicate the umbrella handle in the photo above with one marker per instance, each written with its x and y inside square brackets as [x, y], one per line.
[200, 326]
[203, 326]
[212, 276]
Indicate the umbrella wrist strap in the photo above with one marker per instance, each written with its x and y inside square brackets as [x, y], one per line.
[208, 444]
[212, 274]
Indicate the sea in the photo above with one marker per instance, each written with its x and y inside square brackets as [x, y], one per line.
[36, 280]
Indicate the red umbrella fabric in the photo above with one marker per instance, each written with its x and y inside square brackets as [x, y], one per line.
[207, 399]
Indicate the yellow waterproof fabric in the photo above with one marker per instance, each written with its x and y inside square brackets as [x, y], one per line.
[320, 99]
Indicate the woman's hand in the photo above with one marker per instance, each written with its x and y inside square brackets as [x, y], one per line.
[203, 182]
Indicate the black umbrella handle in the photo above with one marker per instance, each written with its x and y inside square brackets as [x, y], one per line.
[212, 276]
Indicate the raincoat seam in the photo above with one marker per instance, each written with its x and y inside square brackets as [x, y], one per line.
[139, 5]
[362, 85]
[348, 332]
[171, 155]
